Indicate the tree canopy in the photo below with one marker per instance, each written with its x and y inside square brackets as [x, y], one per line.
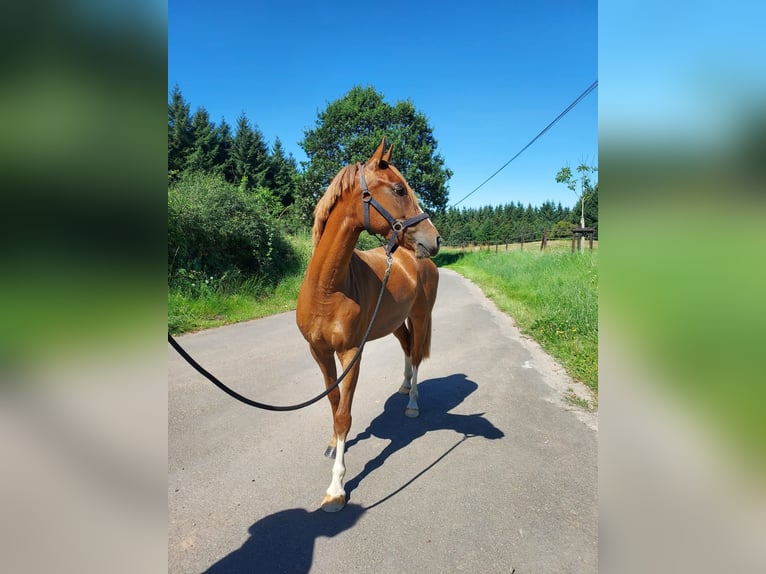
[352, 126]
[346, 132]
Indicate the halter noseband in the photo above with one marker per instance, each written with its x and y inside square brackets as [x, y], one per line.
[397, 225]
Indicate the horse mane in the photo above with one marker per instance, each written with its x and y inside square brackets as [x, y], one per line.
[343, 180]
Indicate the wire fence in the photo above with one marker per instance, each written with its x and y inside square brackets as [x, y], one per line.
[540, 241]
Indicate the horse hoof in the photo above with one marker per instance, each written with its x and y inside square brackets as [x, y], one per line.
[333, 503]
[412, 413]
[330, 452]
[404, 390]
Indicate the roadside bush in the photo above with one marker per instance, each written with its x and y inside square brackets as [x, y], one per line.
[218, 230]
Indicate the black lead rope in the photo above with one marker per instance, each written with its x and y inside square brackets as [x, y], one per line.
[234, 394]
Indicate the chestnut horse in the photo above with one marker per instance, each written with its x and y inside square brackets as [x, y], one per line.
[342, 284]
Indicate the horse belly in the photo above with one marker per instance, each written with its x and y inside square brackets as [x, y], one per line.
[391, 315]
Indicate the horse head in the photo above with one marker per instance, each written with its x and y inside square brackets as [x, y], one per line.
[390, 207]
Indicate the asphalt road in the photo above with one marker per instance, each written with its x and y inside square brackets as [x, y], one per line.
[498, 474]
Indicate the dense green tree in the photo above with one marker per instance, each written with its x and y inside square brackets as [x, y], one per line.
[223, 162]
[546, 214]
[282, 174]
[591, 208]
[351, 127]
[205, 148]
[249, 154]
[180, 135]
[217, 229]
[511, 222]
[562, 228]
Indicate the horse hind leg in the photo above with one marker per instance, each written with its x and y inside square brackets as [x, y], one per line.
[420, 335]
[409, 385]
[404, 336]
[406, 385]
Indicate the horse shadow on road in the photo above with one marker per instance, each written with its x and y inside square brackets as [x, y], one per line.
[437, 397]
[284, 541]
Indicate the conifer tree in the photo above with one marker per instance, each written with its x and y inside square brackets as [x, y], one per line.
[180, 135]
[283, 174]
[205, 149]
[223, 162]
[249, 154]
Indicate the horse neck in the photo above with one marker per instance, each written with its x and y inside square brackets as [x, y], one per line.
[329, 264]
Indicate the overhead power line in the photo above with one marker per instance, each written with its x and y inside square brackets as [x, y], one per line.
[569, 108]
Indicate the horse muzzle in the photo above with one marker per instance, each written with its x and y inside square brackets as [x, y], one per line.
[426, 246]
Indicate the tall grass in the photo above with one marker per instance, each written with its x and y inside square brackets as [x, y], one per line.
[202, 302]
[552, 295]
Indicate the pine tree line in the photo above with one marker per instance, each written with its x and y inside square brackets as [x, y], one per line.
[513, 222]
[241, 156]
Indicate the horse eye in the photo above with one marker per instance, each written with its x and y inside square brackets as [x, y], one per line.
[398, 189]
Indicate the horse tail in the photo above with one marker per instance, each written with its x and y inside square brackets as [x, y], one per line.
[423, 339]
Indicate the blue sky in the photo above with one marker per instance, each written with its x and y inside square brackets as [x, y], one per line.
[488, 75]
[687, 74]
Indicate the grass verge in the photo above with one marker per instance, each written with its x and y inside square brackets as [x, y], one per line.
[212, 302]
[552, 295]
[214, 307]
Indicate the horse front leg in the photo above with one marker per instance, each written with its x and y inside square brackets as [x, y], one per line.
[326, 362]
[335, 497]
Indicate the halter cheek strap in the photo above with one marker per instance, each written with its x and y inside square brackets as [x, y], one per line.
[397, 225]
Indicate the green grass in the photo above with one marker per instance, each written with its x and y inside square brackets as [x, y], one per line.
[552, 295]
[215, 307]
[209, 302]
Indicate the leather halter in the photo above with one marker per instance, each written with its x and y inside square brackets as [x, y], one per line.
[397, 225]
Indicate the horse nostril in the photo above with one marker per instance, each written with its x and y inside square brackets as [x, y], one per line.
[438, 240]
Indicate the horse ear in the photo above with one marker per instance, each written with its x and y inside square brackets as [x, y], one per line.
[378, 158]
[387, 154]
